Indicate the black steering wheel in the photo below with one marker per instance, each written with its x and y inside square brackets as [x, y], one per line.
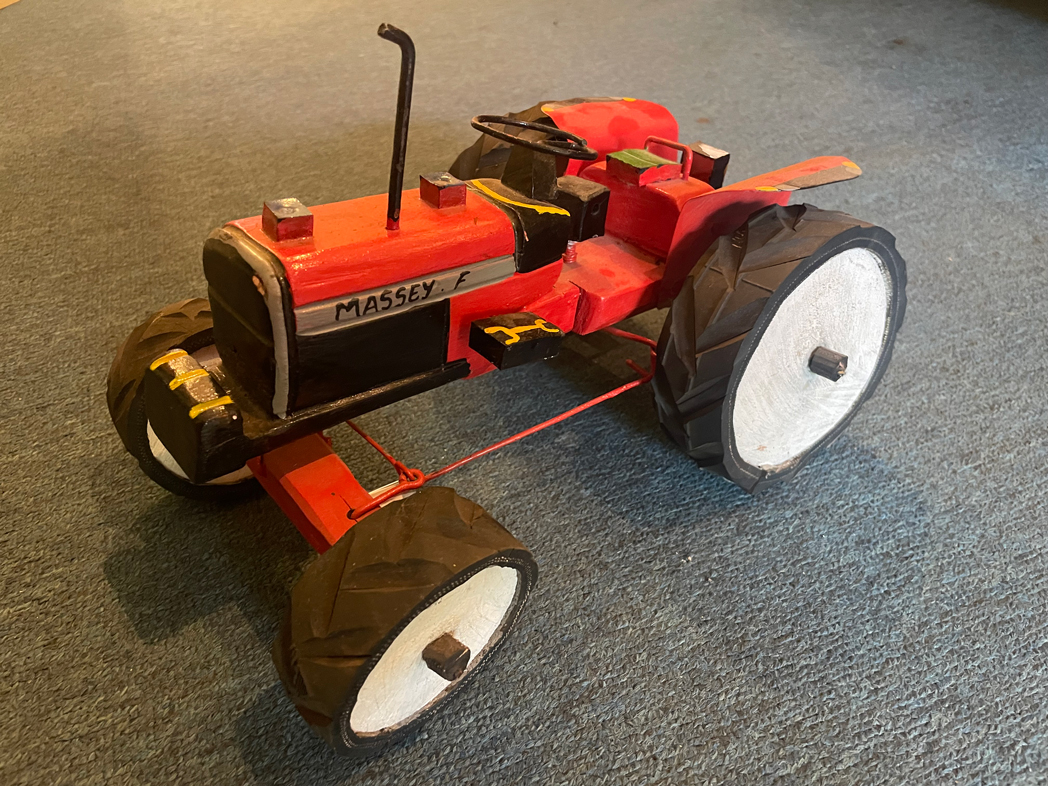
[559, 142]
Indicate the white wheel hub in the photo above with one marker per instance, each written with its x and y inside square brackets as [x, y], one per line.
[782, 408]
[401, 685]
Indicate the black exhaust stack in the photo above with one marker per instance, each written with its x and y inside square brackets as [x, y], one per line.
[400, 136]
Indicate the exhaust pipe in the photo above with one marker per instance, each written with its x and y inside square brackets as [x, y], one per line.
[400, 134]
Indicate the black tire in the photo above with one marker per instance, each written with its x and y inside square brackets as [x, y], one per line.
[186, 325]
[722, 313]
[359, 597]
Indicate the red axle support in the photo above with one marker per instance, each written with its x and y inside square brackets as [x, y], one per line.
[323, 499]
[313, 486]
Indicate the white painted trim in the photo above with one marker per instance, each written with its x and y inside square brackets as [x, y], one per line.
[781, 407]
[257, 259]
[401, 685]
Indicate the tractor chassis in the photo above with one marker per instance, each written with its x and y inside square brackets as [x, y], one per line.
[322, 497]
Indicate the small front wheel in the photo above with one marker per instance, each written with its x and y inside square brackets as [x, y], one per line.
[185, 325]
[397, 616]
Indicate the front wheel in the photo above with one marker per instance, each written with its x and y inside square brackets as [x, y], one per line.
[186, 325]
[778, 336]
[397, 616]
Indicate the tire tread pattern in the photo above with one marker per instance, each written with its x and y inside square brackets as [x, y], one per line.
[353, 600]
[719, 304]
[184, 325]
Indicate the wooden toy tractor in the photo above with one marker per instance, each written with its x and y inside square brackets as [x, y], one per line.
[566, 218]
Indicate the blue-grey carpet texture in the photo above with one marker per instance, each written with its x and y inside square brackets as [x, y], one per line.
[881, 620]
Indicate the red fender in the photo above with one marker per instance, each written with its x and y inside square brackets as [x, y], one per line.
[709, 216]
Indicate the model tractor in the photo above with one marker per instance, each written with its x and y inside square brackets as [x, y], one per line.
[565, 218]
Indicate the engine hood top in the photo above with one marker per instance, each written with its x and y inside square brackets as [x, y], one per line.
[351, 250]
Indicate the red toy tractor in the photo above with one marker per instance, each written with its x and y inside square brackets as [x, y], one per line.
[566, 218]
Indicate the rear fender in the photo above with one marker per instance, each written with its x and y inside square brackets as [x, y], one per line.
[721, 212]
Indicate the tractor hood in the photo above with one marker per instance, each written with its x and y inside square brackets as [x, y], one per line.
[350, 250]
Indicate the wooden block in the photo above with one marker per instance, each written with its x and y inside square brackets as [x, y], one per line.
[442, 190]
[286, 219]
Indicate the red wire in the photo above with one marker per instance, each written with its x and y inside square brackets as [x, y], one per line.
[415, 478]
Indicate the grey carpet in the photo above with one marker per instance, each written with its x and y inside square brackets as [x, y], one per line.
[879, 621]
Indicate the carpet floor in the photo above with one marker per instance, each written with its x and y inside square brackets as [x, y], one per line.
[880, 620]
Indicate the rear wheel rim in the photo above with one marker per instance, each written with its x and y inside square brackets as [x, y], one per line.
[781, 409]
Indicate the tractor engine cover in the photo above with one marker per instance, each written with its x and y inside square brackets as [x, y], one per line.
[351, 306]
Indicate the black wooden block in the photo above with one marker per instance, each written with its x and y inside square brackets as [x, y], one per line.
[588, 204]
[194, 417]
[447, 656]
[827, 363]
[510, 340]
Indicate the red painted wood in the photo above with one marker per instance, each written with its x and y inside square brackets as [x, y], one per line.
[701, 222]
[313, 487]
[608, 126]
[352, 251]
[687, 155]
[645, 215]
[558, 306]
[615, 280]
[772, 179]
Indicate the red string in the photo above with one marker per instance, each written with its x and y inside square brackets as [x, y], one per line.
[414, 478]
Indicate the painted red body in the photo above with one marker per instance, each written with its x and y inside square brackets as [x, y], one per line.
[352, 251]
[654, 233]
[619, 124]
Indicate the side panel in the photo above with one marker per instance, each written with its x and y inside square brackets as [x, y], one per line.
[615, 281]
[350, 360]
[646, 215]
[508, 296]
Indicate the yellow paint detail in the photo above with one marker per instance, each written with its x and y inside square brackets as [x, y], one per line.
[514, 333]
[852, 165]
[181, 379]
[767, 188]
[629, 99]
[546, 108]
[537, 208]
[218, 402]
[174, 353]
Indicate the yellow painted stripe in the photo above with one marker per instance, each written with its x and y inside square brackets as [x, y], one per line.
[174, 353]
[852, 165]
[514, 333]
[537, 208]
[218, 402]
[181, 379]
[766, 188]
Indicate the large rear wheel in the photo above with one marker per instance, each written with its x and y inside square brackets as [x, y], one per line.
[779, 335]
[397, 616]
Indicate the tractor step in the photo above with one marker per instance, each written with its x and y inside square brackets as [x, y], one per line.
[510, 340]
